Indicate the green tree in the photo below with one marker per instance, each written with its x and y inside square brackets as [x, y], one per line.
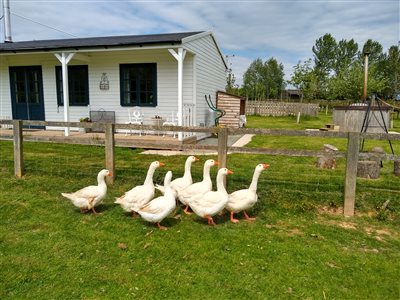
[345, 55]
[305, 79]
[392, 71]
[374, 50]
[263, 79]
[324, 61]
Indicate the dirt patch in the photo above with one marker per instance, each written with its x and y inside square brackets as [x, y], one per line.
[382, 234]
[369, 250]
[281, 227]
[294, 232]
[347, 225]
[330, 210]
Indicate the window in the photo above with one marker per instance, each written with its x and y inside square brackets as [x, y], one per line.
[78, 85]
[138, 84]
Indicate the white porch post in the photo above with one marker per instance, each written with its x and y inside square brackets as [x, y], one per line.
[65, 58]
[180, 57]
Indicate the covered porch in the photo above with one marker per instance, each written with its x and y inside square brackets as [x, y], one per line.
[153, 140]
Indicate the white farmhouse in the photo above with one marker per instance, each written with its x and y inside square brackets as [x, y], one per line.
[63, 80]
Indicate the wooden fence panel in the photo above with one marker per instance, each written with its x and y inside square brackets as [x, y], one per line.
[277, 109]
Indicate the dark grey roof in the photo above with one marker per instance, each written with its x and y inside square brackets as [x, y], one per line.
[96, 42]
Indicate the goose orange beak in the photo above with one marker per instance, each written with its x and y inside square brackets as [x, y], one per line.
[266, 166]
[110, 174]
[230, 171]
[161, 164]
[196, 158]
[216, 163]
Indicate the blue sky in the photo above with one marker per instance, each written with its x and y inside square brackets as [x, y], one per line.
[285, 30]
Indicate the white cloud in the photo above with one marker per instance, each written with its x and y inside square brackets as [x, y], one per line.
[286, 30]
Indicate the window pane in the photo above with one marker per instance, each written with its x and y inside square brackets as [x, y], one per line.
[59, 83]
[33, 87]
[137, 84]
[19, 86]
[77, 85]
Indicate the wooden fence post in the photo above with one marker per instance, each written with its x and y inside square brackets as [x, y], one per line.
[222, 148]
[110, 147]
[18, 149]
[353, 147]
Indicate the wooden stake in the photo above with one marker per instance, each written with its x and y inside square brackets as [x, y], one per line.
[109, 148]
[18, 149]
[223, 148]
[353, 145]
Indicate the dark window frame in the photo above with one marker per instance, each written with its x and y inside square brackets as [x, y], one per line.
[123, 68]
[72, 85]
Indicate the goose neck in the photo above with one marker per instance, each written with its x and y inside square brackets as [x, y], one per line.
[254, 181]
[206, 173]
[100, 180]
[149, 177]
[187, 174]
[220, 183]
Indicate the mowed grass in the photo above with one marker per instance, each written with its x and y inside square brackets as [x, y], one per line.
[309, 143]
[300, 246]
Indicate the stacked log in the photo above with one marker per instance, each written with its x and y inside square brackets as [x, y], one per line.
[328, 160]
[368, 169]
[396, 170]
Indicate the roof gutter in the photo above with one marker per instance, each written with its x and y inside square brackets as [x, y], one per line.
[86, 50]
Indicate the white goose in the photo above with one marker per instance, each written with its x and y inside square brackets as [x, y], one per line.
[197, 188]
[157, 209]
[242, 200]
[181, 183]
[212, 202]
[140, 195]
[90, 196]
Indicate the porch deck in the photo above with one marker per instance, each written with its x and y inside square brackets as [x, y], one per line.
[148, 141]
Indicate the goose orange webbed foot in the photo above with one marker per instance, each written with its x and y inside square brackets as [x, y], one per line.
[248, 219]
[186, 210]
[210, 220]
[161, 227]
[233, 220]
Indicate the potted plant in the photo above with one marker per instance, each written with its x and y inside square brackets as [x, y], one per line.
[85, 120]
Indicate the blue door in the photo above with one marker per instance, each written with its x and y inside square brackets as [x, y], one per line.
[27, 93]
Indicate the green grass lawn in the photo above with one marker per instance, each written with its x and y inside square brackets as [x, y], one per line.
[308, 143]
[299, 247]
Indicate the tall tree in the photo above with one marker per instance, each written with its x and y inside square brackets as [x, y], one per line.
[392, 71]
[324, 60]
[274, 78]
[374, 50]
[345, 55]
[263, 79]
[305, 79]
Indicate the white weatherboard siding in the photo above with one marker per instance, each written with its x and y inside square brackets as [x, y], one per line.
[103, 62]
[210, 73]
[5, 101]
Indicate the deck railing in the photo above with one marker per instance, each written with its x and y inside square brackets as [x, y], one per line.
[352, 154]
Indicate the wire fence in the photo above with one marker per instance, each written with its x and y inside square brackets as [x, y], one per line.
[327, 183]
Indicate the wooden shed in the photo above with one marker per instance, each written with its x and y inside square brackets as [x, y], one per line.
[235, 109]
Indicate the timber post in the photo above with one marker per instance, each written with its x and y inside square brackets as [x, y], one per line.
[222, 149]
[109, 144]
[18, 149]
[353, 147]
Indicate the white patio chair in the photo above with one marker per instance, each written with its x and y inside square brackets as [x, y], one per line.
[135, 117]
[172, 121]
